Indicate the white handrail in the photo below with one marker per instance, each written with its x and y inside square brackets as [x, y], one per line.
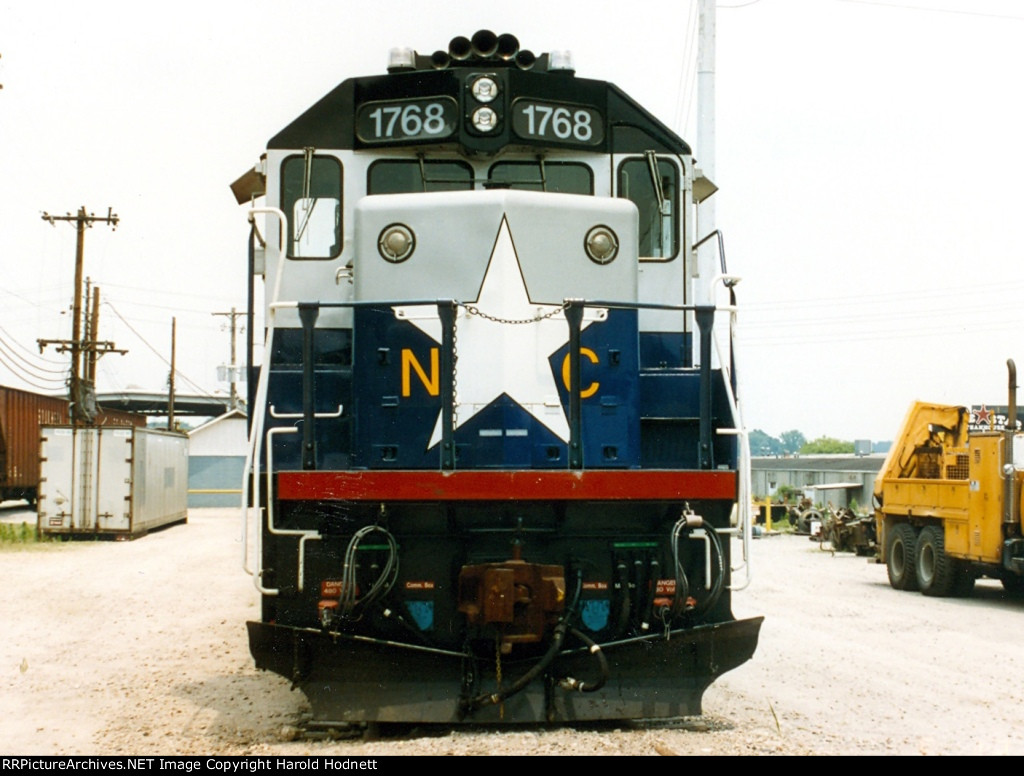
[744, 486]
[252, 458]
[305, 534]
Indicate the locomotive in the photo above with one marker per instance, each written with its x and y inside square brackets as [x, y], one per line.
[497, 465]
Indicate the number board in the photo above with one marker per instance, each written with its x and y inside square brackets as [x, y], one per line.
[405, 121]
[557, 123]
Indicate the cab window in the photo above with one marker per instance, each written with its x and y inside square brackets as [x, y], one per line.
[408, 176]
[561, 177]
[639, 181]
[311, 198]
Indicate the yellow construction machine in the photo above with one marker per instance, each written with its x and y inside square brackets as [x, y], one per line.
[948, 500]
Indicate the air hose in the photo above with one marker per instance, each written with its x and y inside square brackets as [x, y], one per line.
[718, 580]
[568, 683]
[558, 637]
[381, 585]
[686, 523]
[493, 699]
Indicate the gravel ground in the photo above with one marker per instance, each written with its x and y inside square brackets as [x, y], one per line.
[139, 648]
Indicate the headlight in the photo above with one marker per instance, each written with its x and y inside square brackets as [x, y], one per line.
[601, 244]
[484, 89]
[396, 243]
[485, 120]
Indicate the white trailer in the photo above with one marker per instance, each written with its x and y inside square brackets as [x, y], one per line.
[113, 481]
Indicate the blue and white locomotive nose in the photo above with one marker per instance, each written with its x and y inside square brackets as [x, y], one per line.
[516, 257]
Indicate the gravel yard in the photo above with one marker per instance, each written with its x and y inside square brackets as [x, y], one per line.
[140, 648]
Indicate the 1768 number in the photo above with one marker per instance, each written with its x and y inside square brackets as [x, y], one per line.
[403, 121]
[549, 121]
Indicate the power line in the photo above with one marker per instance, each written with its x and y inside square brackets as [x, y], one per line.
[888, 334]
[29, 350]
[687, 74]
[28, 365]
[195, 319]
[788, 316]
[157, 353]
[26, 300]
[904, 7]
[990, 290]
[15, 370]
[189, 295]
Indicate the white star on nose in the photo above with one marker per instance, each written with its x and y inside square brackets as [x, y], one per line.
[508, 357]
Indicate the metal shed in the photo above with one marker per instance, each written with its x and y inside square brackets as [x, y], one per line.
[839, 479]
[216, 461]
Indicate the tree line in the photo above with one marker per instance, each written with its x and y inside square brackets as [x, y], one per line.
[793, 442]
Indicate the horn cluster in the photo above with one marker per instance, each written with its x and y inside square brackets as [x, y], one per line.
[484, 46]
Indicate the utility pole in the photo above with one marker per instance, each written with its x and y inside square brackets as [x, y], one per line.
[170, 380]
[233, 315]
[91, 342]
[705, 151]
[80, 392]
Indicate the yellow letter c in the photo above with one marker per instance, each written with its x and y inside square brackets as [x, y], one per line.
[591, 389]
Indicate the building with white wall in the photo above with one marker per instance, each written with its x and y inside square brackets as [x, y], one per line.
[216, 461]
[840, 480]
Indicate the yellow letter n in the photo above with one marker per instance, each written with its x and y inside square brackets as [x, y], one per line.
[432, 383]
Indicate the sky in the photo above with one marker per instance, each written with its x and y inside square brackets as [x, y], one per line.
[868, 156]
